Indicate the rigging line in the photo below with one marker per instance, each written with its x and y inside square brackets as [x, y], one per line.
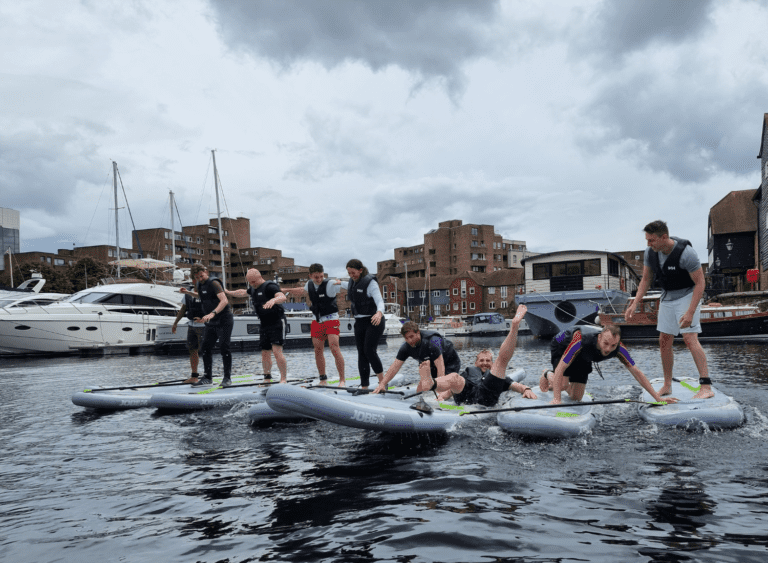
[128, 207]
[95, 210]
[202, 193]
[239, 257]
[181, 227]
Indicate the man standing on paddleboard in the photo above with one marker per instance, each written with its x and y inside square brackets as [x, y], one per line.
[675, 266]
[267, 298]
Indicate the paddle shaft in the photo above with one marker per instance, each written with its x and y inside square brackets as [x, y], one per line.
[158, 384]
[352, 389]
[560, 406]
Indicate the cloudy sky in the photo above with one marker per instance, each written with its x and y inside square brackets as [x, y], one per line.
[348, 128]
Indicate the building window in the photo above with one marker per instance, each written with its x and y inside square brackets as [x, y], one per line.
[455, 290]
[474, 231]
[503, 291]
[392, 295]
[447, 293]
[166, 234]
[422, 293]
[472, 305]
[503, 304]
[472, 290]
[492, 305]
[436, 293]
[474, 243]
[463, 307]
[455, 306]
[514, 258]
[491, 290]
[410, 294]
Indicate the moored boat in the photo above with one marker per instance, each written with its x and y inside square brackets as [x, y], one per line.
[718, 322]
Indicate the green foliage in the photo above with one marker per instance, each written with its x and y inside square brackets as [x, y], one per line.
[56, 279]
[86, 270]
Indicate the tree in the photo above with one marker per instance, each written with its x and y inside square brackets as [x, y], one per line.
[56, 279]
[86, 269]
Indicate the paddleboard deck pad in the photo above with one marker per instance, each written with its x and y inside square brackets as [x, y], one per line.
[128, 398]
[721, 411]
[571, 419]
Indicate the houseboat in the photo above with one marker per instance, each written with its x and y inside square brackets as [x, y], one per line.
[568, 288]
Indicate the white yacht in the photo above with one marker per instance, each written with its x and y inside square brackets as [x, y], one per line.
[101, 317]
[449, 326]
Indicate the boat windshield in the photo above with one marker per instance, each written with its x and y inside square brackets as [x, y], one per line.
[6, 302]
[92, 297]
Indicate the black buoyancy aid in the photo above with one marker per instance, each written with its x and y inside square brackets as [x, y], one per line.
[357, 295]
[322, 305]
[259, 298]
[589, 350]
[194, 307]
[474, 374]
[671, 276]
[209, 298]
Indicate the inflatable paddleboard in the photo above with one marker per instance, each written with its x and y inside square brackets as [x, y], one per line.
[370, 412]
[262, 412]
[721, 411]
[207, 397]
[137, 398]
[570, 419]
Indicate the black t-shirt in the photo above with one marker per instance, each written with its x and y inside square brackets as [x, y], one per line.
[431, 348]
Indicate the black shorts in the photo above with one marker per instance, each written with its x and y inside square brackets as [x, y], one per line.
[273, 334]
[486, 393]
[194, 337]
[577, 372]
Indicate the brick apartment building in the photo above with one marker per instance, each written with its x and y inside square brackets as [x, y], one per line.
[452, 248]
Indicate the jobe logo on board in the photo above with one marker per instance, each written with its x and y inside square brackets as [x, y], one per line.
[133, 402]
[362, 416]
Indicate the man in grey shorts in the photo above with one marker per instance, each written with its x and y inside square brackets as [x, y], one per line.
[677, 270]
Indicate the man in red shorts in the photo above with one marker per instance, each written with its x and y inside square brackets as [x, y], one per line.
[326, 322]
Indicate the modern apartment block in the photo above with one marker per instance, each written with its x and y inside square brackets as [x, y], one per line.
[10, 239]
[449, 249]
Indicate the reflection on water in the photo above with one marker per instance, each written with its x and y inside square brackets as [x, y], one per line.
[206, 486]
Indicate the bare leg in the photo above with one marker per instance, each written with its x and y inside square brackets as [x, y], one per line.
[333, 343]
[544, 383]
[576, 390]
[266, 361]
[319, 344]
[507, 349]
[282, 365]
[449, 385]
[425, 374]
[691, 340]
[667, 361]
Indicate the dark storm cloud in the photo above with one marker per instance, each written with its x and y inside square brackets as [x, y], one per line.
[628, 26]
[431, 39]
[674, 112]
[40, 169]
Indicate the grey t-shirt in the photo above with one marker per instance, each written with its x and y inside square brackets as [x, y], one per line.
[688, 260]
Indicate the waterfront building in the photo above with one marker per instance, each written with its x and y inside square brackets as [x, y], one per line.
[760, 199]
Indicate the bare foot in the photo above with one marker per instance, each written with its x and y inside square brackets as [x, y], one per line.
[544, 381]
[342, 382]
[704, 393]
[665, 390]
[521, 311]
[323, 382]
[283, 380]
[425, 374]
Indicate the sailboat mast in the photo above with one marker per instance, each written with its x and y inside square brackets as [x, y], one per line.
[173, 234]
[117, 231]
[218, 214]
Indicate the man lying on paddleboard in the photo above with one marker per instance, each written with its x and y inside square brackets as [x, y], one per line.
[485, 382]
[573, 352]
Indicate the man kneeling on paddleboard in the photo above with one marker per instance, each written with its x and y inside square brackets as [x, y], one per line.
[573, 352]
[485, 381]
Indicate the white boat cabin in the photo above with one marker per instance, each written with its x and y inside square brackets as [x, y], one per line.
[578, 270]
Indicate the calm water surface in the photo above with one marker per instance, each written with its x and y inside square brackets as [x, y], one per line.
[77, 485]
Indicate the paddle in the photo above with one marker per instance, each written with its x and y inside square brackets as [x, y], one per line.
[159, 383]
[563, 405]
[355, 390]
